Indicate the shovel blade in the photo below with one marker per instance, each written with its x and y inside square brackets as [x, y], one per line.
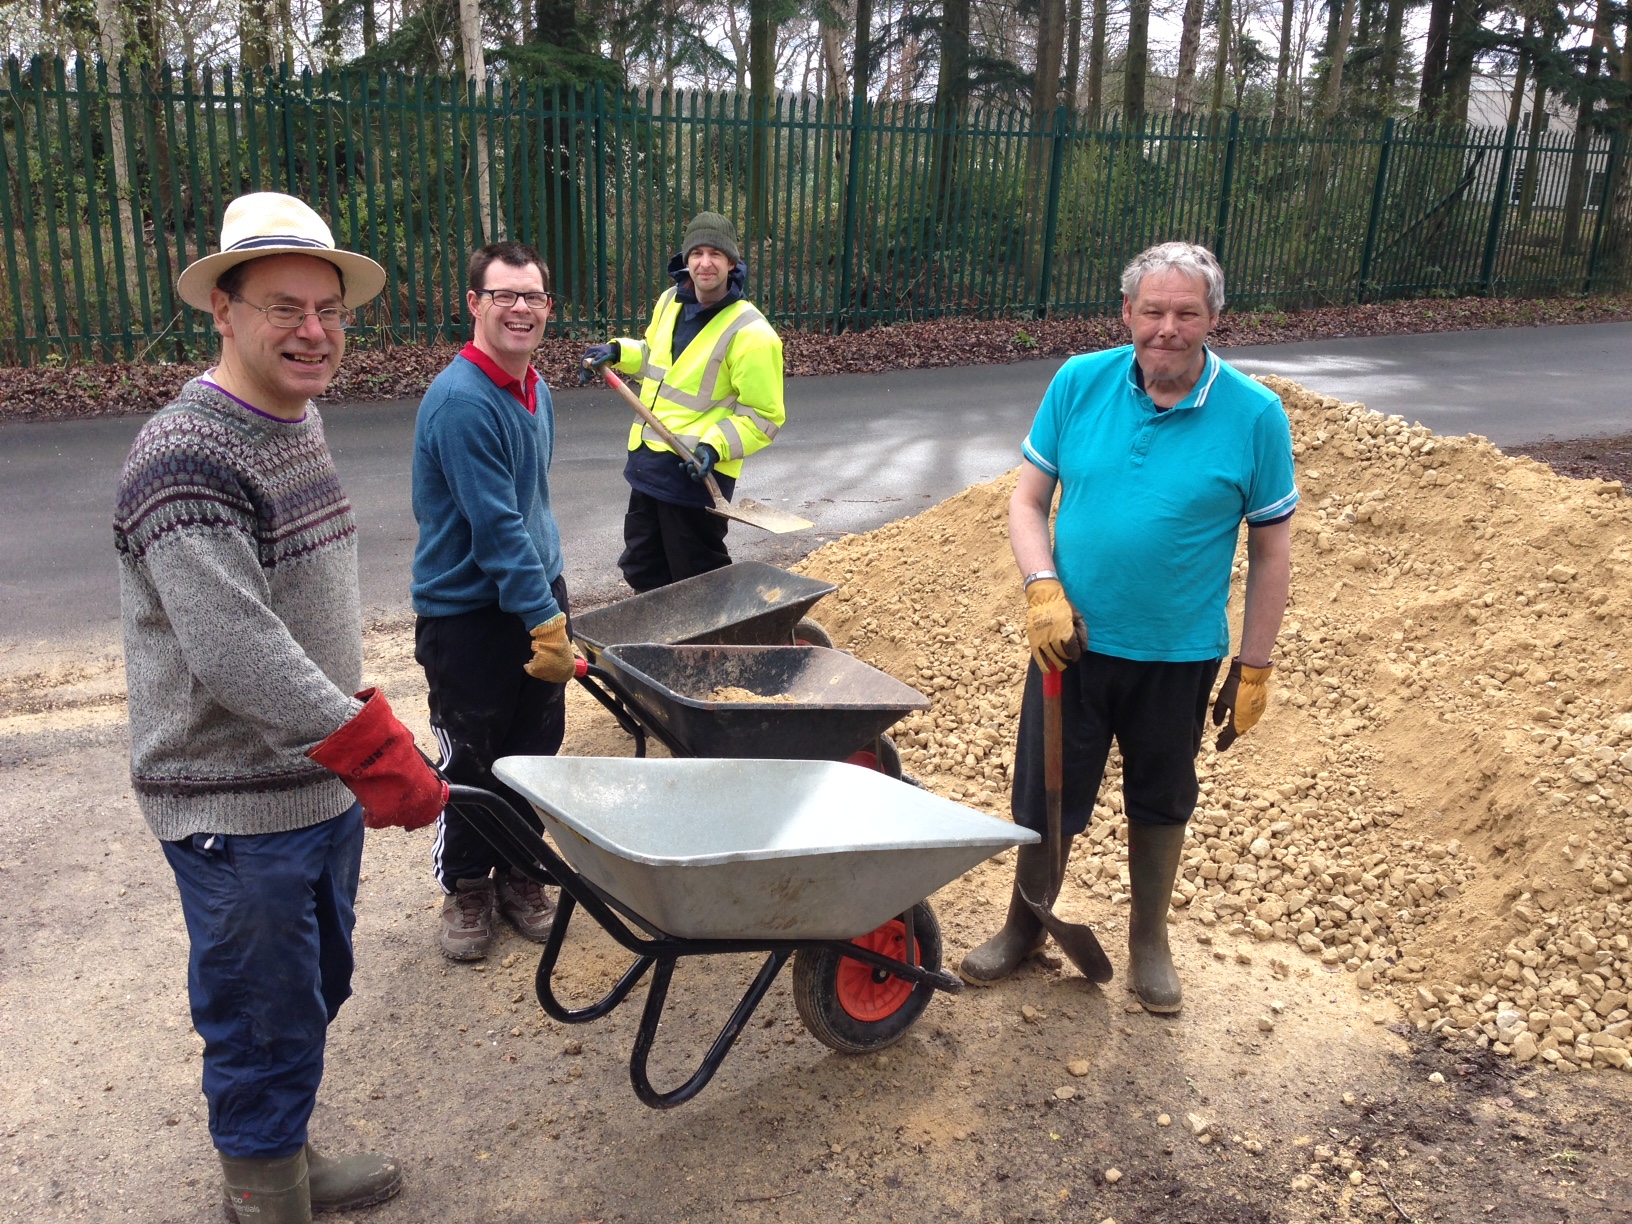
[1077, 940]
[757, 514]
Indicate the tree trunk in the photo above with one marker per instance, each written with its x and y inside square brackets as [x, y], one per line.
[1515, 108]
[328, 36]
[1332, 87]
[1388, 71]
[1136, 63]
[1434, 59]
[1073, 52]
[761, 98]
[833, 63]
[1466, 18]
[1045, 82]
[1225, 36]
[1283, 63]
[1184, 82]
[951, 99]
[470, 41]
[1096, 59]
[255, 34]
[371, 28]
[111, 18]
[1575, 193]
[1527, 181]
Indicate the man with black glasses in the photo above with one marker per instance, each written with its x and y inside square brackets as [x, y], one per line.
[487, 587]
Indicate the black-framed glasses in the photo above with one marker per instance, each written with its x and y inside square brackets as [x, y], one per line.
[506, 299]
[330, 318]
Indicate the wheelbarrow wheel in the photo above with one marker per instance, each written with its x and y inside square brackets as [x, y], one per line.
[808, 633]
[853, 1008]
[883, 756]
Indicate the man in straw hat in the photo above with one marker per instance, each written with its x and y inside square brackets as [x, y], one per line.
[711, 370]
[254, 758]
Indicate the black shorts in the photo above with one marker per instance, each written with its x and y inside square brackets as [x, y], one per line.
[1156, 713]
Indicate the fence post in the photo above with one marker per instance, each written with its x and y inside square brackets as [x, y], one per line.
[601, 304]
[1378, 191]
[1221, 226]
[1056, 167]
[1498, 209]
[1606, 201]
[847, 257]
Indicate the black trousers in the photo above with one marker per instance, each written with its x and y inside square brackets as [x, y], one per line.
[663, 543]
[1156, 713]
[484, 706]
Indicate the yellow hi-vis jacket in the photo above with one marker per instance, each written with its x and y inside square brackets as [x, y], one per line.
[725, 389]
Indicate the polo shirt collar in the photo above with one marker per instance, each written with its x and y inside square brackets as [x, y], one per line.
[1198, 394]
[525, 392]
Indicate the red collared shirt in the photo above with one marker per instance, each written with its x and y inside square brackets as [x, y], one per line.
[526, 392]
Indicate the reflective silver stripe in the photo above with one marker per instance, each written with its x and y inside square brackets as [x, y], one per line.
[769, 428]
[734, 449]
[716, 359]
[690, 441]
[686, 399]
[647, 369]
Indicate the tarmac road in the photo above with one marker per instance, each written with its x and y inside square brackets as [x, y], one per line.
[859, 451]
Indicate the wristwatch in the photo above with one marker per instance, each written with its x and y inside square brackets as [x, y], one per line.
[1037, 576]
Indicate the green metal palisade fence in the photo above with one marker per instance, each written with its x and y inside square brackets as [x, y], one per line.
[115, 177]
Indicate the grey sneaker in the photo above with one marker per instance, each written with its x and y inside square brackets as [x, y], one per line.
[528, 907]
[467, 920]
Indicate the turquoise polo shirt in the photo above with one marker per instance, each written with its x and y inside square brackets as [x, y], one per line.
[1152, 500]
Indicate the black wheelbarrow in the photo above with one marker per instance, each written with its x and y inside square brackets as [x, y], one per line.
[760, 702]
[813, 861]
[745, 604]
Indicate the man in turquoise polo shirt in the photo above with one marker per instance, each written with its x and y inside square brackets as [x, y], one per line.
[1161, 451]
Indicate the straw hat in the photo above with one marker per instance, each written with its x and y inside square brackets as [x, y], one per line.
[270, 223]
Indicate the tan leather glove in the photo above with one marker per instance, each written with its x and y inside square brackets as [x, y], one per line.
[552, 654]
[1242, 699]
[1054, 631]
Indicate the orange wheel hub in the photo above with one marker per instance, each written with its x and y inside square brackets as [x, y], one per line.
[870, 994]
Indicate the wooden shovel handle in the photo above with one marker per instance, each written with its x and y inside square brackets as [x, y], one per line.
[663, 431]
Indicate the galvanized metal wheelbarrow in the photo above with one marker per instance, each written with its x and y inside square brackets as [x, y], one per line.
[814, 861]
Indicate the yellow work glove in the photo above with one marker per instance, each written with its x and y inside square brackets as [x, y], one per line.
[1242, 699]
[552, 654]
[1054, 631]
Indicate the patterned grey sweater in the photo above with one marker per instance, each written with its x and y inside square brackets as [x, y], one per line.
[243, 626]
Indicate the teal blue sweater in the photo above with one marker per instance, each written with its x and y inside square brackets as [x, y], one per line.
[482, 499]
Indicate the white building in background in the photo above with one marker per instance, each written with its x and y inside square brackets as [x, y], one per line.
[1489, 99]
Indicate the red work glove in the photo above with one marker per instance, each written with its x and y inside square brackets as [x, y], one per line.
[374, 755]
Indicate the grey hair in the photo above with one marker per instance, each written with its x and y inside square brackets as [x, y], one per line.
[1187, 257]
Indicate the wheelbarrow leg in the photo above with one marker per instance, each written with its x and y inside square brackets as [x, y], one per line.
[542, 984]
[656, 996]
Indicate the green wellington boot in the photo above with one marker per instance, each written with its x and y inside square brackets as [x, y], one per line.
[1022, 934]
[267, 1191]
[1153, 864]
[345, 1183]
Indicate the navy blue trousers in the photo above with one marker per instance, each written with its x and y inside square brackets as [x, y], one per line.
[270, 920]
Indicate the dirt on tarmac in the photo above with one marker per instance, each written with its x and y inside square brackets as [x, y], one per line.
[1282, 1092]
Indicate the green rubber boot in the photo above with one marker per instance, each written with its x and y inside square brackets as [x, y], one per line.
[1153, 864]
[345, 1183]
[267, 1191]
[1022, 934]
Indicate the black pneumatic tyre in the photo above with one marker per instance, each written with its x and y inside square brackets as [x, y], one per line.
[808, 633]
[853, 1008]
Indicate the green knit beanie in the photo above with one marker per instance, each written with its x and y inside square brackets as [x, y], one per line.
[710, 229]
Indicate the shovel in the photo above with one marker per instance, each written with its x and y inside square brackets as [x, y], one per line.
[755, 514]
[1077, 940]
